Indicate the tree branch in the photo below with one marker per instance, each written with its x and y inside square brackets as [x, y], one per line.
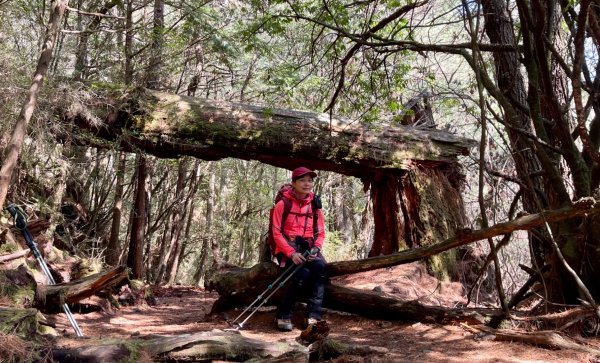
[583, 207]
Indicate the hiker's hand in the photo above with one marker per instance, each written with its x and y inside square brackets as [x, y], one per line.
[297, 258]
[312, 257]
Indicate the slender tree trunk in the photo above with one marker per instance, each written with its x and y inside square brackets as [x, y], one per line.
[135, 258]
[57, 10]
[114, 247]
[173, 264]
[167, 255]
[129, 42]
[201, 262]
[189, 212]
[81, 60]
[156, 47]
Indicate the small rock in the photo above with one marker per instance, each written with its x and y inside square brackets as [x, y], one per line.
[384, 324]
[135, 334]
[427, 351]
[378, 289]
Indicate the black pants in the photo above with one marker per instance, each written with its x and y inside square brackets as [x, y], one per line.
[308, 281]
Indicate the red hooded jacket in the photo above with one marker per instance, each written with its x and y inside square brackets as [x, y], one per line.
[295, 224]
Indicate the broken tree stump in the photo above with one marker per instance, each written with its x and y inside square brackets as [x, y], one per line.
[74, 291]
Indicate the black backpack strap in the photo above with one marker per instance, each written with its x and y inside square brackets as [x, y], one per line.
[316, 205]
[287, 207]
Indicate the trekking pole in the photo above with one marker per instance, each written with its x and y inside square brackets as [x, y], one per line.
[293, 268]
[21, 224]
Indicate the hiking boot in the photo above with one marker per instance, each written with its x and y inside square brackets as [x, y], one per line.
[284, 324]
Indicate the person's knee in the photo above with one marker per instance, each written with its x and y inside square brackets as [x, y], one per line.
[318, 269]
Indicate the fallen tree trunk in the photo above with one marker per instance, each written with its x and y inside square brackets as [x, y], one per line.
[371, 305]
[242, 286]
[74, 291]
[584, 206]
[548, 339]
[168, 125]
[198, 347]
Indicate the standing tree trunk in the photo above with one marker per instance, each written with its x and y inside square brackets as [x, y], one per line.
[81, 59]
[188, 210]
[129, 42]
[201, 262]
[113, 248]
[57, 10]
[156, 47]
[135, 257]
[177, 217]
[386, 214]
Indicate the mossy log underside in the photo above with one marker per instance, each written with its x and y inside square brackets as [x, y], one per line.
[168, 125]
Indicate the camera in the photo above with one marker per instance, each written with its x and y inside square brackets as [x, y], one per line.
[301, 244]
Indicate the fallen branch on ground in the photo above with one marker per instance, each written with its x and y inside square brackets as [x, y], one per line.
[544, 338]
[13, 256]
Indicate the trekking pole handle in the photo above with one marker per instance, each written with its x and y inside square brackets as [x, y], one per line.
[21, 224]
[18, 214]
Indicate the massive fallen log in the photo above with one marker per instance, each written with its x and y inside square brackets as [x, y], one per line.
[168, 125]
[412, 173]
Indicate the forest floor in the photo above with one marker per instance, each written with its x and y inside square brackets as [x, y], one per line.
[183, 310]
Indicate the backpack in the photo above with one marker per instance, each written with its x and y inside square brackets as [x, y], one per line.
[269, 248]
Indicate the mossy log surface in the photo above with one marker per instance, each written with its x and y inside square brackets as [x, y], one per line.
[197, 347]
[168, 125]
[18, 286]
[24, 323]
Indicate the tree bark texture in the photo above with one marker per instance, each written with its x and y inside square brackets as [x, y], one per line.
[113, 248]
[135, 256]
[11, 155]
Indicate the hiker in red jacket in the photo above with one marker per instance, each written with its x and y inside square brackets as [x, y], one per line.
[300, 233]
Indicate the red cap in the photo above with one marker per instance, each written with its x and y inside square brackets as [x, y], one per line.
[302, 171]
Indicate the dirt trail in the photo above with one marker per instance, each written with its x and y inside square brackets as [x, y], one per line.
[182, 310]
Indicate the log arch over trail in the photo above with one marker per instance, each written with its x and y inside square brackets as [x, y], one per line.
[413, 173]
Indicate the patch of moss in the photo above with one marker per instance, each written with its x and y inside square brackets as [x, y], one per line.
[135, 351]
[7, 248]
[17, 289]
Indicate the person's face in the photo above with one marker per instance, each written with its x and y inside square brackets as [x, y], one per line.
[303, 185]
